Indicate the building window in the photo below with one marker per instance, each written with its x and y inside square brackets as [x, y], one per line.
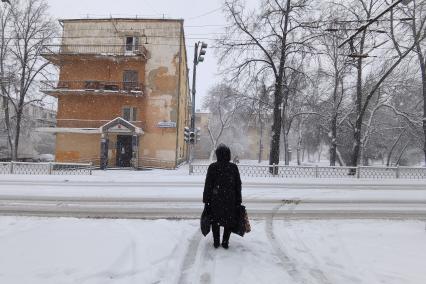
[134, 114]
[132, 43]
[130, 79]
[130, 113]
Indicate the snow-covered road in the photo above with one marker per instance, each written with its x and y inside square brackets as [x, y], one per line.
[180, 197]
[296, 238]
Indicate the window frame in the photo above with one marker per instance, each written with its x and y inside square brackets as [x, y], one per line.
[133, 45]
[133, 113]
[131, 85]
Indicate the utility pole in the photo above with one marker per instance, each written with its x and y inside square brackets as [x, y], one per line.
[198, 57]
[364, 27]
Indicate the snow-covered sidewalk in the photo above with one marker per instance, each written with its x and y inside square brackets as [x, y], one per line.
[68, 250]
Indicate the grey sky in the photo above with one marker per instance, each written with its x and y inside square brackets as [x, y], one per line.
[203, 20]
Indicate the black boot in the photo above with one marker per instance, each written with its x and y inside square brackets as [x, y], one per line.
[216, 235]
[225, 238]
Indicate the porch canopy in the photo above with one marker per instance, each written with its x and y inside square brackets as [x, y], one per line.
[120, 125]
[117, 125]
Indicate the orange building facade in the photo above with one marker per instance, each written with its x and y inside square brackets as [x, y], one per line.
[123, 93]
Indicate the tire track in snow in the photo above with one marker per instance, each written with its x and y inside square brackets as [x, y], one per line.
[190, 258]
[296, 273]
[206, 276]
[288, 264]
[199, 262]
[163, 273]
[316, 273]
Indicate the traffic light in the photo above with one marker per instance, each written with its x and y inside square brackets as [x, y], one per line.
[186, 134]
[192, 137]
[197, 134]
[202, 52]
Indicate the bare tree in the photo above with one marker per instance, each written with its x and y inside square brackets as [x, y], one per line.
[363, 10]
[5, 77]
[334, 66]
[417, 28]
[262, 42]
[258, 109]
[30, 27]
[224, 104]
[295, 105]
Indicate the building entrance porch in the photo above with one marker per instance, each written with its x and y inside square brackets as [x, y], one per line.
[119, 144]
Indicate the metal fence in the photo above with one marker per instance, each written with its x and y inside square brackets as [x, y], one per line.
[23, 168]
[361, 172]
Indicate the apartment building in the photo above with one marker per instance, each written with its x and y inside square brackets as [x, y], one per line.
[123, 94]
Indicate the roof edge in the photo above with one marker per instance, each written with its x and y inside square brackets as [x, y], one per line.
[118, 19]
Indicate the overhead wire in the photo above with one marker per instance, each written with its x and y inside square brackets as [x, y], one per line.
[188, 36]
[206, 14]
[171, 37]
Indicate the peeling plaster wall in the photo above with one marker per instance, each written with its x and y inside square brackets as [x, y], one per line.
[67, 147]
[163, 73]
[184, 99]
[102, 69]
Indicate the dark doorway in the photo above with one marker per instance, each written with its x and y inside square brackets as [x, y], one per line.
[124, 150]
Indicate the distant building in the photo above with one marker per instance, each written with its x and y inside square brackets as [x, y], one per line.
[123, 95]
[259, 137]
[31, 142]
[256, 138]
[203, 147]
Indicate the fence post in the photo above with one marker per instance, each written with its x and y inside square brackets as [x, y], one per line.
[50, 168]
[91, 167]
[11, 167]
[316, 171]
[397, 171]
[191, 170]
[274, 171]
[358, 170]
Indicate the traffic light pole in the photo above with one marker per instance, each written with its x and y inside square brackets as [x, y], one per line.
[198, 57]
[194, 78]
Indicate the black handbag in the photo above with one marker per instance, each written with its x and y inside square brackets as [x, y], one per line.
[205, 221]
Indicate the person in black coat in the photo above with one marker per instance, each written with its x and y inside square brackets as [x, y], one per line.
[222, 195]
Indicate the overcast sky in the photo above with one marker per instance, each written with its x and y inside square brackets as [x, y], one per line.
[203, 20]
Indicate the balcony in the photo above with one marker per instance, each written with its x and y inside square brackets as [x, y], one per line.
[53, 88]
[55, 52]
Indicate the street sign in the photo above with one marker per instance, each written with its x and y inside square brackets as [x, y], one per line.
[166, 124]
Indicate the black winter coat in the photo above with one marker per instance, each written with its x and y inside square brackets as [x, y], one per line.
[222, 191]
